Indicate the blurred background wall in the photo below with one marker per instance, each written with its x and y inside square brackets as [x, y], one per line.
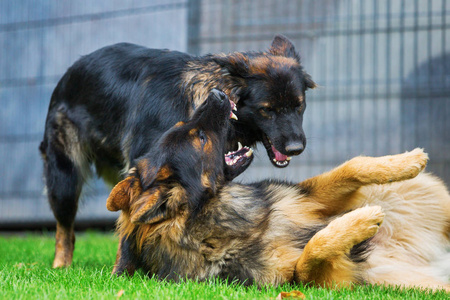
[383, 67]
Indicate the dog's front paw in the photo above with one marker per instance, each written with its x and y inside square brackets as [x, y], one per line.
[415, 161]
[401, 166]
[366, 222]
[356, 226]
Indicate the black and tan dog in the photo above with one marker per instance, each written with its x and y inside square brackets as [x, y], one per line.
[112, 105]
[181, 219]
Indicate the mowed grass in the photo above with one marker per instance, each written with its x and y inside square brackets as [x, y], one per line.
[26, 273]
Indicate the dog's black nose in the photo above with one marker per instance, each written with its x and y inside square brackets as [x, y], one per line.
[294, 148]
[221, 96]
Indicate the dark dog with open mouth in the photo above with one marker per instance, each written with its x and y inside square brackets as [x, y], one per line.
[112, 105]
[181, 219]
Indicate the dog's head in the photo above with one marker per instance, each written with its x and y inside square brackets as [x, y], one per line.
[185, 169]
[272, 104]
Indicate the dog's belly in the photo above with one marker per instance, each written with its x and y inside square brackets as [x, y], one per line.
[414, 232]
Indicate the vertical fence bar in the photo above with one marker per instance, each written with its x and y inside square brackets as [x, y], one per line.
[348, 70]
[416, 101]
[376, 103]
[388, 82]
[401, 66]
[361, 98]
[444, 39]
[334, 101]
[193, 35]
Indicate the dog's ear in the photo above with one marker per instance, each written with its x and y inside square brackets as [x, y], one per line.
[151, 208]
[122, 193]
[309, 83]
[282, 46]
[150, 172]
[236, 64]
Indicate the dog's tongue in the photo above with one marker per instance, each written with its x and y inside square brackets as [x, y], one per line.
[278, 155]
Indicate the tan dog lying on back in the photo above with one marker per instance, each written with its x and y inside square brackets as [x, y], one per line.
[375, 220]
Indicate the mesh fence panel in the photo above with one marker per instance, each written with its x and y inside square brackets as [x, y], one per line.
[383, 67]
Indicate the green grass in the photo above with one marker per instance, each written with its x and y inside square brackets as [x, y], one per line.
[26, 273]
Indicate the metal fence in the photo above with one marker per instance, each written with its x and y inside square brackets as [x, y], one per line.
[383, 67]
[39, 40]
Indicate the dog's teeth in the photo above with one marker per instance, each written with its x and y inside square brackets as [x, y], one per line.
[239, 146]
[233, 105]
[288, 158]
[233, 116]
[249, 152]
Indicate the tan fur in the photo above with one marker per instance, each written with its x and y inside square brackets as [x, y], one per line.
[324, 260]
[68, 138]
[202, 78]
[163, 173]
[65, 243]
[413, 243]
[146, 201]
[260, 65]
[388, 199]
[417, 216]
[334, 189]
[119, 198]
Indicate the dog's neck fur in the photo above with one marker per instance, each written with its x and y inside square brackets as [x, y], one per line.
[204, 75]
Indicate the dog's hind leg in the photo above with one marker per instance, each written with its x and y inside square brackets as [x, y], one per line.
[63, 190]
[64, 166]
[333, 190]
[326, 260]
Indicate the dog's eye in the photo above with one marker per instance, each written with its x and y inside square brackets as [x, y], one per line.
[266, 112]
[202, 137]
[301, 108]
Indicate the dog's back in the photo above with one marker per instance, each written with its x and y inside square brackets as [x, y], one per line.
[104, 95]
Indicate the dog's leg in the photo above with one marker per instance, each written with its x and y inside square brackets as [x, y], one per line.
[125, 259]
[63, 190]
[333, 190]
[325, 260]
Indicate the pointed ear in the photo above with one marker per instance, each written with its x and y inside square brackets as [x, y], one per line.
[309, 83]
[282, 46]
[151, 172]
[122, 193]
[151, 209]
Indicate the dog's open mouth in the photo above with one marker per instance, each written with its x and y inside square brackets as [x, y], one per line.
[277, 158]
[237, 161]
[239, 157]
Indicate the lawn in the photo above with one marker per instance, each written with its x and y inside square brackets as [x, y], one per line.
[26, 273]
